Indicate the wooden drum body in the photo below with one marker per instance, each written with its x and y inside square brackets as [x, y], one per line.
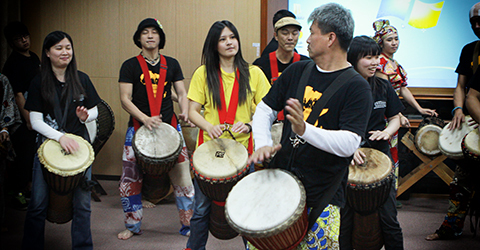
[102, 128]
[369, 185]
[268, 208]
[218, 165]
[450, 141]
[426, 137]
[471, 146]
[157, 150]
[63, 173]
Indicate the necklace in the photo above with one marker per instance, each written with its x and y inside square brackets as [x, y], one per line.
[152, 62]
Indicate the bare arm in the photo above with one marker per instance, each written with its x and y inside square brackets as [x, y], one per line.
[386, 134]
[182, 99]
[214, 131]
[473, 104]
[458, 101]
[407, 95]
[126, 90]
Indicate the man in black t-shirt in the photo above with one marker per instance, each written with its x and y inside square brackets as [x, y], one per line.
[319, 151]
[143, 79]
[21, 67]
[473, 97]
[462, 185]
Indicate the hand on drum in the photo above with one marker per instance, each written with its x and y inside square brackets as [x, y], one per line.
[215, 131]
[358, 157]
[240, 127]
[152, 122]
[68, 144]
[472, 122]
[457, 120]
[82, 113]
[295, 116]
[378, 135]
[263, 153]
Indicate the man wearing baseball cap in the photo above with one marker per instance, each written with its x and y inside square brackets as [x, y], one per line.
[287, 32]
[143, 79]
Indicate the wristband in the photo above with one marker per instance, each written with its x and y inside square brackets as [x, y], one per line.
[4, 130]
[249, 127]
[453, 110]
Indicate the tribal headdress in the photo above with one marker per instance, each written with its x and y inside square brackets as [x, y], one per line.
[382, 28]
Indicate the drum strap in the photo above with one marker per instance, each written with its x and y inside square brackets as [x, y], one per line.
[154, 99]
[319, 105]
[274, 72]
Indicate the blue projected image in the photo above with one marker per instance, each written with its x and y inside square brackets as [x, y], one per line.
[432, 33]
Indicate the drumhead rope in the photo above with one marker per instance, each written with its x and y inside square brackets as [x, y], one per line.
[56, 161]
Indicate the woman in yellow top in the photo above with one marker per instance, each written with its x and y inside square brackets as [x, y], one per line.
[229, 89]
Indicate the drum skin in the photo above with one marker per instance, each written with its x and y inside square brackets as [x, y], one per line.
[369, 185]
[218, 165]
[268, 208]
[471, 146]
[157, 150]
[450, 141]
[427, 134]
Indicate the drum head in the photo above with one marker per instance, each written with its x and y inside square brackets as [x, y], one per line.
[377, 167]
[158, 143]
[220, 158]
[426, 139]
[450, 141]
[54, 159]
[265, 203]
[472, 142]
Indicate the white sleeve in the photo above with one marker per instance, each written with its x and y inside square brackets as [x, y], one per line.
[342, 143]
[39, 125]
[262, 124]
[92, 115]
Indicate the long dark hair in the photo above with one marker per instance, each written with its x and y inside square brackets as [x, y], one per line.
[360, 47]
[211, 60]
[73, 87]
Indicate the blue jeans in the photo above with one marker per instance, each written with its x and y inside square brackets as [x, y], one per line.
[34, 229]
[200, 220]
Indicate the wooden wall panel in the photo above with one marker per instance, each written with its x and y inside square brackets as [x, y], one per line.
[102, 32]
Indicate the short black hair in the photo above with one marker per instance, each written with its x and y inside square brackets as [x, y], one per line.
[281, 14]
[13, 29]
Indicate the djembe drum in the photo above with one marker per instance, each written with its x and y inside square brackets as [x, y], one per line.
[63, 173]
[268, 208]
[102, 128]
[218, 165]
[426, 137]
[368, 188]
[276, 132]
[156, 151]
[450, 141]
[471, 149]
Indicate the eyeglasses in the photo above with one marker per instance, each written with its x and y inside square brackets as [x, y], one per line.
[21, 37]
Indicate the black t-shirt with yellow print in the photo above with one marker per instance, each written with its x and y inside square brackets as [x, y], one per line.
[131, 72]
[348, 109]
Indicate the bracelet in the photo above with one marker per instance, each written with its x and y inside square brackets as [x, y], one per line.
[4, 130]
[249, 127]
[453, 110]
[389, 136]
